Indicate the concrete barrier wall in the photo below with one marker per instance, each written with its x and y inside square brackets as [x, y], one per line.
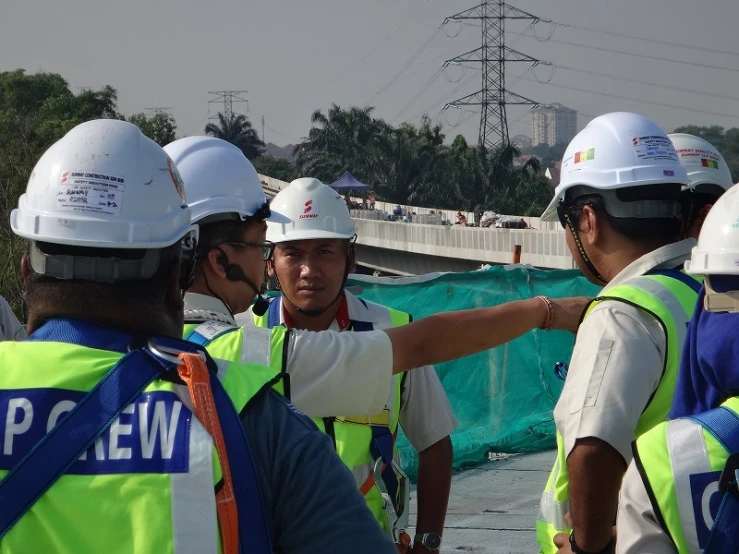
[545, 249]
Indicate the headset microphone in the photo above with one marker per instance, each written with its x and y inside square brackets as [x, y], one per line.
[235, 273]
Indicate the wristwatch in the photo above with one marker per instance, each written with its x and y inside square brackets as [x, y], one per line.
[430, 541]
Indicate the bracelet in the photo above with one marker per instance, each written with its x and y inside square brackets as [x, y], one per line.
[577, 550]
[549, 321]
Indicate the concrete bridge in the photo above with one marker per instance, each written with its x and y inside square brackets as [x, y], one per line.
[425, 245]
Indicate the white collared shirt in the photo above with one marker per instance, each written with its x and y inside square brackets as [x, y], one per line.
[331, 373]
[425, 413]
[617, 362]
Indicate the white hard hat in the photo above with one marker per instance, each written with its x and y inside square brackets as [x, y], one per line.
[705, 165]
[104, 185]
[617, 150]
[717, 251]
[315, 210]
[219, 179]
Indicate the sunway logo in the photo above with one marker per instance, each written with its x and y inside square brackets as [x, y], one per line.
[307, 212]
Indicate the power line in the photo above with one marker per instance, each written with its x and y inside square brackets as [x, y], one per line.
[648, 83]
[652, 40]
[643, 56]
[402, 69]
[415, 97]
[611, 95]
[357, 62]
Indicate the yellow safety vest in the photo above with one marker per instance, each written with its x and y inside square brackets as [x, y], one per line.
[352, 435]
[671, 301]
[680, 463]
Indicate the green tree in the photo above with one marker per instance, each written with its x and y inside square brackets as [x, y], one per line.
[279, 168]
[161, 127]
[238, 131]
[339, 141]
[35, 111]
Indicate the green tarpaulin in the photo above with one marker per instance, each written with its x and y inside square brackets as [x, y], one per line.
[503, 398]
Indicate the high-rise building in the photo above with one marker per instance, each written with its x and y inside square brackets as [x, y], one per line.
[553, 125]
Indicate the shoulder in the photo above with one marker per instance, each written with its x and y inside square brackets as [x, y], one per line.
[365, 310]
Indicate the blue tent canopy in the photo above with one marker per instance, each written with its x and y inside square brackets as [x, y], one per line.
[348, 182]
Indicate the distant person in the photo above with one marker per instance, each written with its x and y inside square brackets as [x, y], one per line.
[461, 219]
[372, 200]
[10, 327]
[398, 211]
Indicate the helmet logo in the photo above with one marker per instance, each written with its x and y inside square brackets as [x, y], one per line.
[307, 212]
[179, 184]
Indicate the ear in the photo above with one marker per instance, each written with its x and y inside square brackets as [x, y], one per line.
[215, 263]
[26, 269]
[271, 268]
[700, 217]
[590, 226]
[173, 300]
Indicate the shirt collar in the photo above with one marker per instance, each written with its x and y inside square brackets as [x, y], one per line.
[340, 323]
[667, 257]
[201, 307]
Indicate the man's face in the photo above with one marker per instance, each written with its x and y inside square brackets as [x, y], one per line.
[311, 272]
[249, 259]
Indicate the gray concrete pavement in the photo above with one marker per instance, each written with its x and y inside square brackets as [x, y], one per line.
[493, 508]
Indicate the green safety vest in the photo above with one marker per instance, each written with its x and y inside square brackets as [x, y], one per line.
[680, 463]
[148, 483]
[671, 302]
[352, 436]
[244, 346]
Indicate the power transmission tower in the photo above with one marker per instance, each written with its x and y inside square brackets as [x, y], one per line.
[492, 55]
[227, 97]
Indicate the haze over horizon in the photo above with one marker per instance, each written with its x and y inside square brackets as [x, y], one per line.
[294, 57]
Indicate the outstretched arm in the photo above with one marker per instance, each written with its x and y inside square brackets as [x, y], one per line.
[451, 335]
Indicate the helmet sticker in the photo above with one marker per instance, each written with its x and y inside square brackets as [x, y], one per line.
[86, 191]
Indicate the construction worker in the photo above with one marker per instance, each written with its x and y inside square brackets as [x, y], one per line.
[709, 178]
[314, 254]
[329, 372]
[680, 492]
[618, 202]
[118, 436]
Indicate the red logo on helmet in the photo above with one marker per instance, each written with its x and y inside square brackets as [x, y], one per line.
[307, 212]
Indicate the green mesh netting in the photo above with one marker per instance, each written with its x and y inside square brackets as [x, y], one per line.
[503, 398]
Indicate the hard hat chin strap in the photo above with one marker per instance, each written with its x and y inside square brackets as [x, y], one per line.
[585, 258]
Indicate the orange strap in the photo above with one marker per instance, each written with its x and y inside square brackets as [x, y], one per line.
[194, 373]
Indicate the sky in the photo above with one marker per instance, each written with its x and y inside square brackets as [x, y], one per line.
[295, 56]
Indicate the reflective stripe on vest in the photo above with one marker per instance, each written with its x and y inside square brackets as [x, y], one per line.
[670, 299]
[148, 483]
[684, 494]
[353, 435]
[246, 345]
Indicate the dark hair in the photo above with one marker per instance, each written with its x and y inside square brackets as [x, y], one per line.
[60, 296]
[660, 230]
[229, 230]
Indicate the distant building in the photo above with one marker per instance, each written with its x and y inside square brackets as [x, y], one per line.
[521, 141]
[554, 125]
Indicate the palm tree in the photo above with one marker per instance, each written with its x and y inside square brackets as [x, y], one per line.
[340, 140]
[238, 131]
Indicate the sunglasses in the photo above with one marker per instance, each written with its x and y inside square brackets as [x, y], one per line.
[267, 248]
